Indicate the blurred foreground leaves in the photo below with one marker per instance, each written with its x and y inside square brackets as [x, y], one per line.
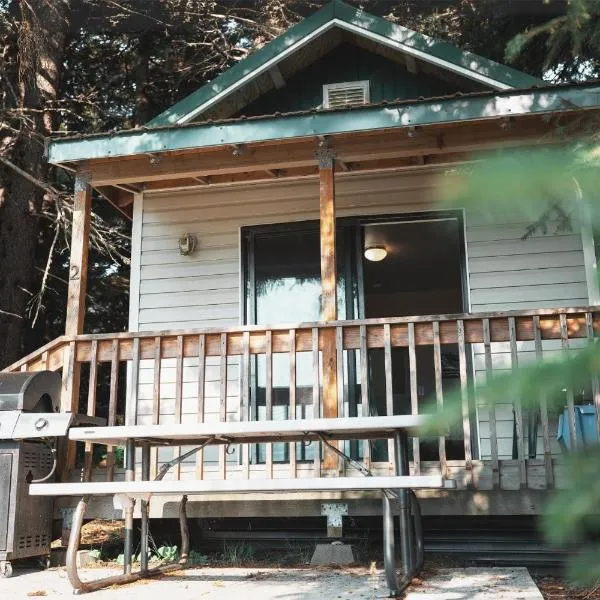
[551, 190]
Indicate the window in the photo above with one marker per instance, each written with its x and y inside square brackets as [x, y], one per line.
[337, 95]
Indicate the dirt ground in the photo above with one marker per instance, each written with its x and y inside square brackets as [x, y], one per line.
[555, 588]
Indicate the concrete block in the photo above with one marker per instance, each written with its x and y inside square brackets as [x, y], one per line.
[84, 559]
[332, 554]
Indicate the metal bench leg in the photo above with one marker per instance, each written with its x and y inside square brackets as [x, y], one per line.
[419, 556]
[144, 511]
[81, 587]
[130, 476]
[411, 533]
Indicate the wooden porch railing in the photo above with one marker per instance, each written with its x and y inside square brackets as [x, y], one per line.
[176, 358]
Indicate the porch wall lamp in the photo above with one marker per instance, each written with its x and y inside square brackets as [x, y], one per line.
[375, 253]
[187, 244]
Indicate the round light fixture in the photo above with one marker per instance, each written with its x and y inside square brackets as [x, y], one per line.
[375, 253]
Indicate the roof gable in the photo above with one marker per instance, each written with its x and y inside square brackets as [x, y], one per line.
[386, 80]
[338, 15]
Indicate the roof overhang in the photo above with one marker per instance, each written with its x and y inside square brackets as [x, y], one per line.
[477, 107]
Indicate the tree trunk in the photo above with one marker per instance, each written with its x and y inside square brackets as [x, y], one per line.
[38, 50]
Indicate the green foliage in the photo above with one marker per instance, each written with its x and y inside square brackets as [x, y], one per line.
[572, 41]
[237, 553]
[196, 558]
[166, 554]
[546, 189]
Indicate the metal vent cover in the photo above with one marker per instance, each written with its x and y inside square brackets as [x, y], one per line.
[33, 541]
[350, 93]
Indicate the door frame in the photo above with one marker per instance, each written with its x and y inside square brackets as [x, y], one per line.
[351, 228]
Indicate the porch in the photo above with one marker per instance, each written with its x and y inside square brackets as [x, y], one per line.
[214, 179]
[207, 376]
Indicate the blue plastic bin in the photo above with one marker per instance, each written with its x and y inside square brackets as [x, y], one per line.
[586, 426]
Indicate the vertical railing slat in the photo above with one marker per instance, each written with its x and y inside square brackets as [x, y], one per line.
[514, 365]
[156, 401]
[414, 393]
[201, 398]
[389, 391]
[462, 361]
[178, 398]
[564, 337]
[439, 392]
[223, 402]
[269, 395]
[589, 322]
[132, 408]
[244, 401]
[537, 336]
[364, 389]
[339, 345]
[316, 396]
[112, 405]
[292, 410]
[91, 408]
[487, 348]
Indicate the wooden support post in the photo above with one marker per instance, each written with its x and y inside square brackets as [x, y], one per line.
[326, 157]
[78, 268]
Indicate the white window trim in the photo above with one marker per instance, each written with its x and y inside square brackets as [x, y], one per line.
[364, 84]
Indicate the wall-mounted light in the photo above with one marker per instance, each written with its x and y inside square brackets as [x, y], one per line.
[187, 244]
[375, 253]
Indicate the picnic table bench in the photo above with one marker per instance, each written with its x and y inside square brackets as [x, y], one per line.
[396, 489]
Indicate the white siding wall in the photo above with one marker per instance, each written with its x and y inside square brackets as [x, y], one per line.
[203, 290]
[506, 272]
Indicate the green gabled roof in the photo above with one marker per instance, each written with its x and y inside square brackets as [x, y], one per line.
[339, 14]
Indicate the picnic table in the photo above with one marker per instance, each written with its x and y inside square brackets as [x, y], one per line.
[397, 490]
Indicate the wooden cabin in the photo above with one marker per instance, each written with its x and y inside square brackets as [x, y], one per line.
[290, 258]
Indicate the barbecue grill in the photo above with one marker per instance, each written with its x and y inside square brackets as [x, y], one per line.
[30, 423]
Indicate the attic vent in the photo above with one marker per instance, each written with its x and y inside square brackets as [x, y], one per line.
[337, 95]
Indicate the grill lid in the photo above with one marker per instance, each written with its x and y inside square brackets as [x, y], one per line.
[30, 392]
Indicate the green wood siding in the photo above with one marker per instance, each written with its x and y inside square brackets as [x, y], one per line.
[388, 81]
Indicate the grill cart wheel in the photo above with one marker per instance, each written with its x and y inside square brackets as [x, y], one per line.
[6, 569]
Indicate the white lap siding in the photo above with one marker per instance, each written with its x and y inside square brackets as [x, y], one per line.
[508, 273]
[204, 290]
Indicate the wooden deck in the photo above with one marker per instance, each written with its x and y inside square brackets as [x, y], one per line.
[112, 365]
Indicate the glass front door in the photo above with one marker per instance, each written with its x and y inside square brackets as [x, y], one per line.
[421, 273]
[283, 285]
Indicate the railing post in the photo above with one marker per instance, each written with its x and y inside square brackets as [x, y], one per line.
[78, 269]
[326, 158]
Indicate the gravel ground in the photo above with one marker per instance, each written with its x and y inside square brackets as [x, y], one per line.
[283, 584]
